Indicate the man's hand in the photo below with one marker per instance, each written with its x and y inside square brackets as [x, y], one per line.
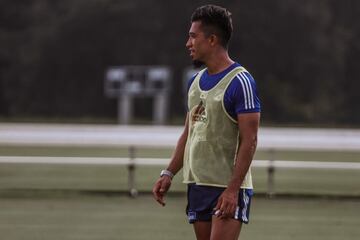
[227, 203]
[161, 186]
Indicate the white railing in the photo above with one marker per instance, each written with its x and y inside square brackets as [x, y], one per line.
[165, 161]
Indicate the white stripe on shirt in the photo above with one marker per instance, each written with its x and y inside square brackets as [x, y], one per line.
[244, 91]
[251, 90]
[247, 91]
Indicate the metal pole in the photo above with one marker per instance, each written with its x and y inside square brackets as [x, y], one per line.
[160, 108]
[133, 192]
[125, 109]
[271, 175]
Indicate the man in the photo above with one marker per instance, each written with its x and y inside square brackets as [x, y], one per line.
[219, 140]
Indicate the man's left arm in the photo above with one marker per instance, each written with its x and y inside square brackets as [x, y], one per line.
[248, 124]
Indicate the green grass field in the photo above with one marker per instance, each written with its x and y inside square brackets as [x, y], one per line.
[114, 178]
[76, 202]
[336, 156]
[119, 217]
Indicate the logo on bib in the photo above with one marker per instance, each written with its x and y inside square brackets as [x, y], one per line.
[198, 114]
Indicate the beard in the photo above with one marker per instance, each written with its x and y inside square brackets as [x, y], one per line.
[197, 63]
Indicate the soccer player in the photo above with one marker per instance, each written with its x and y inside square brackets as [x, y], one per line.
[219, 140]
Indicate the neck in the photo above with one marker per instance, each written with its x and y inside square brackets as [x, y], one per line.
[218, 61]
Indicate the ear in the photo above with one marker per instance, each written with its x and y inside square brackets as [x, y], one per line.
[213, 40]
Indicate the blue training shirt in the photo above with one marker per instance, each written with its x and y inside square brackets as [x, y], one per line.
[241, 96]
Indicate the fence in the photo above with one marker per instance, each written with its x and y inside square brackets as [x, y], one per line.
[132, 137]
[131, 164]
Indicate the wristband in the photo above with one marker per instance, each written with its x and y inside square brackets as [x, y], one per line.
[166, 173]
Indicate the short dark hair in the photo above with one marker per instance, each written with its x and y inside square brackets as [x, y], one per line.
[215, 20]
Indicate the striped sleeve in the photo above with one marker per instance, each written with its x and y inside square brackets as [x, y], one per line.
[246, 97]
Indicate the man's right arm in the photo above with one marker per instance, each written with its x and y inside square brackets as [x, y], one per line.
[162, 185]
[176, 162]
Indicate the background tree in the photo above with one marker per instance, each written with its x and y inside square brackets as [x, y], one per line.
[303, 54]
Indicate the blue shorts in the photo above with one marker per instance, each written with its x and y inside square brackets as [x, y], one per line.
[203, 199]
